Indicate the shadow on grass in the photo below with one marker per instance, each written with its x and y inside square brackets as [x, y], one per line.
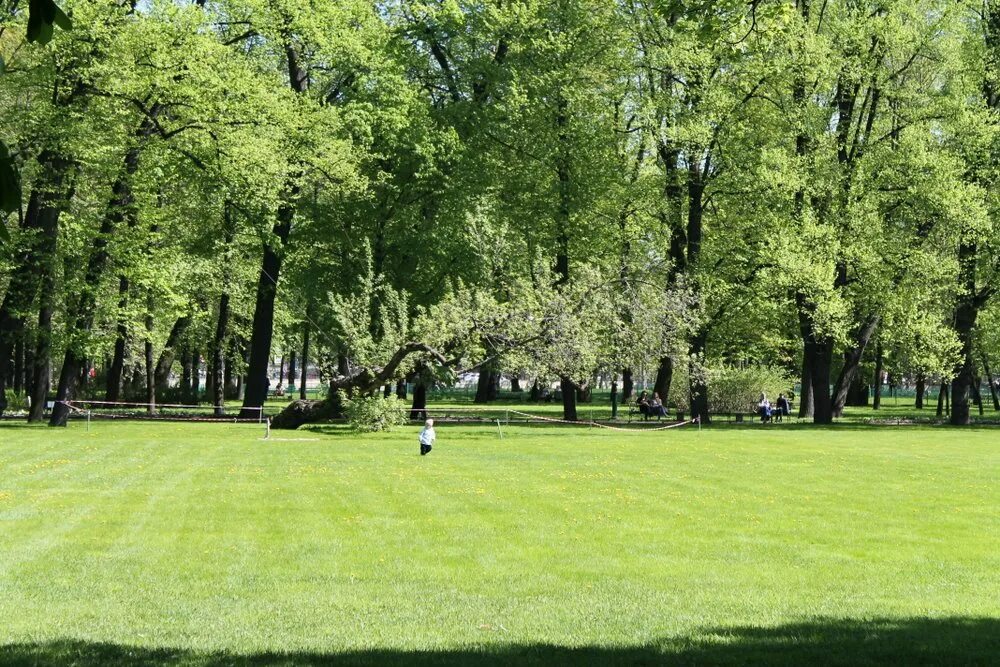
[948, 641]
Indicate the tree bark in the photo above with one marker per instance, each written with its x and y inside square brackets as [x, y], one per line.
[614, 398]
[305, 358]
[818, 355]
[291, 368]
[219, 356]
[992, 384]
[166, 359]
[966, 313]
[150, 368]
[255, 393]
[419, 408]
[568, 389]
[852, 361]
[401, 389]
[196, 376]
[879, 361]
[942, 401]
[114, 380]
[34, 261]
[120, 209]
[806, 392]
[628, 385]
[921, 390]
[664, 378]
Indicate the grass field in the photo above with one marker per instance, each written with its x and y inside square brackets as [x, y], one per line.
[201, 544]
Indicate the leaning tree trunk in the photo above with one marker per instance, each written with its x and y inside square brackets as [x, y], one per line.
[852, 362]
[879, 361]
[120, 209]
[255, 393]
[166, 359]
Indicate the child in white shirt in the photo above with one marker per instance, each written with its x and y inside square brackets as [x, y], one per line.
[427, 437]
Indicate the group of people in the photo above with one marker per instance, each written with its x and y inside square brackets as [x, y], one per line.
[769, 413]
[651, 407]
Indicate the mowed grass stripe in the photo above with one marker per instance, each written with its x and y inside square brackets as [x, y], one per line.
[205, 538]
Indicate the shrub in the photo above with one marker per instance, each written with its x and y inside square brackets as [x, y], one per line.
[737, 389]
[374, 413]
[16, 403]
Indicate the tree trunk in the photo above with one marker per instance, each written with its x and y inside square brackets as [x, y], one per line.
[387, 391]
[966, 313]
[196, 376]
[664, 378]
[401, 389]
[879, 361]
[628, 385]
[942, 402]
[114, 380]
[858, 394]
[218, 370]
[515, 385]
[33, 263]
[977, 395]
[992, 384]
[166, 359]
[419, 408]
[186, 372]
[535, 394]
[18, 380]
[150, 360]
[486, 386]
[43, 347]
[40, 385]
[852, 361]
[305, 357]
[255, 393]
[291, 369]
[568, 389]
[921, 389]
[81, 315]
[614, 398]
[699, 383]
[806, 392]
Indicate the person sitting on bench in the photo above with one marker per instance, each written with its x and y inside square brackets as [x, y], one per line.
[643, 404]
[781, 408]
[764, 409]
[656, 407]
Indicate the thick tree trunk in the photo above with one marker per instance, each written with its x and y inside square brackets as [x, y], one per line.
[879, 362]
[186, 372]
[699, 383]
[255, 393]
[966, 313]
[664, 378]
[419, 408]
[486, 386]
[292, 374]
[992, 384]
[40, 385]
[568, 389]
[33, 263]
[921, 389]
[401, 389]
[857, 393]
[628, 385]
[43, 347]
[305, 358]
[818, 355]
[977, 395]
[515, 384]
[535, 393]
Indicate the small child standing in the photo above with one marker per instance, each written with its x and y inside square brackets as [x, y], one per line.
[427, 437]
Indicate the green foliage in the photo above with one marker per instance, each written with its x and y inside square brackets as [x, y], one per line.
[16, 402]
[737, 389]
[372, 414]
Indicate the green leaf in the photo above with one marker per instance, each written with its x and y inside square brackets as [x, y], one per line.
[10, 183]
[42, 14]
[3, 65]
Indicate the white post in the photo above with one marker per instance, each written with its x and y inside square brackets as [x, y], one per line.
[499, 429]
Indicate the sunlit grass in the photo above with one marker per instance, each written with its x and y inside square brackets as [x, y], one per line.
[205, 538]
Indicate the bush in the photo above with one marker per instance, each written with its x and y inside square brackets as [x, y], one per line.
[374, 413]
[735, 389]
[16, 403]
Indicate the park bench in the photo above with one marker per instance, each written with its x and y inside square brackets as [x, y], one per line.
[277, 392]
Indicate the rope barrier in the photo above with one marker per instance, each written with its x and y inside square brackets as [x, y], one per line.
[146, 405]
[606, 426]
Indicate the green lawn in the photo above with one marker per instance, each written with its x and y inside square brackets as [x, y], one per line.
[201, 544]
